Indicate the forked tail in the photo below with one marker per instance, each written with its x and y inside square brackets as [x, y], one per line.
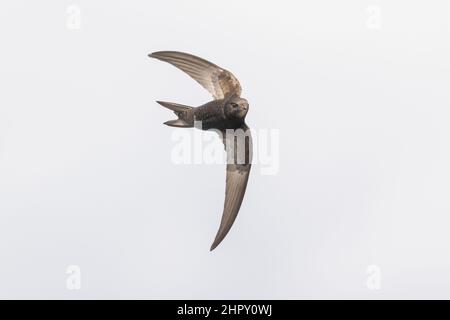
[184, 113]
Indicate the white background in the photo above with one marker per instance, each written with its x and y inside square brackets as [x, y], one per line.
[361, 102]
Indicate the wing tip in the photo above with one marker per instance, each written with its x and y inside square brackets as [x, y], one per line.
[156, 54]
[218, 239]
[161, 54]
[214, 245]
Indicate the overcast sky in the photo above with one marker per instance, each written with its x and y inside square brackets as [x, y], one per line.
[358, 92]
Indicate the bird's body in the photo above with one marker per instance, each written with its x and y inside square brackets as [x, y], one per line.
[211, 115]
[225, 114]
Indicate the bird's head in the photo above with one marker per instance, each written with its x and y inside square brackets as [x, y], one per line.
[236, 107]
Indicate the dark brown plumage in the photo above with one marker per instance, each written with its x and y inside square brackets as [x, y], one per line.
[226, 113]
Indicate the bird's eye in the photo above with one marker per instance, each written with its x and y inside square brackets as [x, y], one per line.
[234, 105]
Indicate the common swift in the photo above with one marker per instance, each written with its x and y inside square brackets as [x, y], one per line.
[225, 115]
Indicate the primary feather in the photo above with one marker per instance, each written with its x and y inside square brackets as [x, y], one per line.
[218, 81]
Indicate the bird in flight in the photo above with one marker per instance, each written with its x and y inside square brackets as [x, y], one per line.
[225, 115]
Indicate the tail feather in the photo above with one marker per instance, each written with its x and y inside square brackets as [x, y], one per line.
[184, 113]
[177, 123]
